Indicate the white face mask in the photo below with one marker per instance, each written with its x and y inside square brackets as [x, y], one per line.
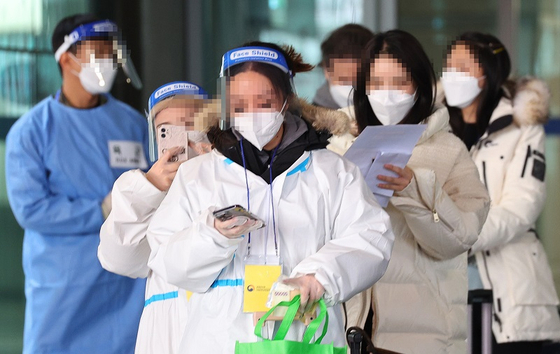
[259, 127]
[460, 88]
[341, 95]
[390, 106]
[98, 76]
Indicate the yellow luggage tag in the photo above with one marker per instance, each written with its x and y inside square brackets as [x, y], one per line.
[258, 282]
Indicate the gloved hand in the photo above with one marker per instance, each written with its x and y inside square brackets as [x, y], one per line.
[236, 226]
[107, 205]
[164, 170]
[310, 290]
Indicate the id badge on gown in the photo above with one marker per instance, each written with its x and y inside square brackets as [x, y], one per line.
[260, 273]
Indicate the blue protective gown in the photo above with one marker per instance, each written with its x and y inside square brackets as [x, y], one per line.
[61, 162]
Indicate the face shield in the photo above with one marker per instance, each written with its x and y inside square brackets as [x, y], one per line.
[178, 115]
[235, 100]
[114, 49]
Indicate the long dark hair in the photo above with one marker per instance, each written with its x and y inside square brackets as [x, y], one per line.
[496, 66]
[280, 82]
[407, 50]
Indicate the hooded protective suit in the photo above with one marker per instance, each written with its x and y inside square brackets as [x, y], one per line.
[124, 249]
[327, 223]
[60, 164]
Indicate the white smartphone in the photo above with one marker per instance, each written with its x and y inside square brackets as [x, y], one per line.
[170, 136]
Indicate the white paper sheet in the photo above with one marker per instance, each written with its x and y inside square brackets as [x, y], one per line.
[380, 145]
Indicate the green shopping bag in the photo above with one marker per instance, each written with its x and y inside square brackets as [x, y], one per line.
[280, 346]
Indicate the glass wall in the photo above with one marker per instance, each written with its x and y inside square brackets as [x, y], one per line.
[435, 23]
[27, 71]
[302, 24]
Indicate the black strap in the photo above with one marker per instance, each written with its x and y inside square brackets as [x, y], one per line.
[500, 124]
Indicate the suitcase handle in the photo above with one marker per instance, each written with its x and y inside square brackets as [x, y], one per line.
[356, 336]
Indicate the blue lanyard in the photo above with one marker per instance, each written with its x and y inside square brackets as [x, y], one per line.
[271, 196]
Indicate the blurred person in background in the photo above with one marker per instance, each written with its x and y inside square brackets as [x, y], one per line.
[62, 159]
[341, 53]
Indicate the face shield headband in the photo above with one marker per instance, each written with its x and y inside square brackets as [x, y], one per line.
[103, 29]
[172, 89]
[247, 54]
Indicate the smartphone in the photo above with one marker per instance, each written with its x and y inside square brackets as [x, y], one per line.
[236, 210]
[170, 136]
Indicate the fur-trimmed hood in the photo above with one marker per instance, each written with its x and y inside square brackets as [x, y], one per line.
[531, 101]
[334, 121]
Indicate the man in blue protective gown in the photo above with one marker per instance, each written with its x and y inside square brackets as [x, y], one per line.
[62, 158]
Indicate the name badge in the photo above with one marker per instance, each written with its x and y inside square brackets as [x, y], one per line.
[127, 154]
[258, 281]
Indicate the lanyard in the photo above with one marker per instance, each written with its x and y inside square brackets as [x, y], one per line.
[271, 198]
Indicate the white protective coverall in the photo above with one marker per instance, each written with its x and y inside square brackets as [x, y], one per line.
[123, 249]
[327, 221]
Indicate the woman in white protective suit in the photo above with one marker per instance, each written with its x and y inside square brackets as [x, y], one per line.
[123, 248]
[323, 227]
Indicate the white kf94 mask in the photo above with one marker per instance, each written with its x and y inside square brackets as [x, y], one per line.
[97, 76]
[460, 88]
[341, 95]
[391, 106]
[259, 127]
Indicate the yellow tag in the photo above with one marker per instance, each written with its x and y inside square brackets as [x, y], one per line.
[258, 281]
[189, 294]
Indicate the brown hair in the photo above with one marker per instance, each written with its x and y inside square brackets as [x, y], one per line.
[347, 41]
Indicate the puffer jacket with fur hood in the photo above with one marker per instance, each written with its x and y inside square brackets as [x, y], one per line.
[420, 304]
[510, 258]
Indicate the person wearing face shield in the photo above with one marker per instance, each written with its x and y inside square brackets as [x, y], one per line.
[123, 249]
[437, 210]
[341, 52]
[501, 122]
[322, 227]
[62, 158]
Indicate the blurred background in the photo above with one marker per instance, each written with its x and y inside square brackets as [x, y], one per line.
[184, 40]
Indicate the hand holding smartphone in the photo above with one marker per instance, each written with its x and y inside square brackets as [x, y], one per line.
[243, 216]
